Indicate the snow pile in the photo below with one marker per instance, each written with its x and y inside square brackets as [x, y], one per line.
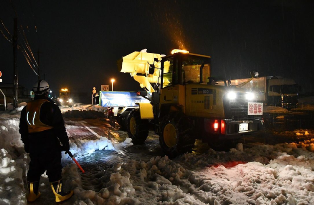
[260, 174]
[164, 181]
[84, 111]
[84, 114]
[11, 178]
[156, 178]
[266, 175]
[10, 136]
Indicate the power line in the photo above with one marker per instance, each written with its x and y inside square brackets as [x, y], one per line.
[8, 39]
[27, 45]
[21, 47]
[27, 53]
[26, 42]
[5, 27]
[27, 58]
[6, 36]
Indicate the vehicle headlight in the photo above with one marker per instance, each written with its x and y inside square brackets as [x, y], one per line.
[231, 95]
[250, 96]
[70, 100]
[60, 100]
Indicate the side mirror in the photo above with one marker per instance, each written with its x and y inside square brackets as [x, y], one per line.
[254, 74]
[211, 80]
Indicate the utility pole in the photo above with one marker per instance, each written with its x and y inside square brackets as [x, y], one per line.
[15, 74]
[38, 66]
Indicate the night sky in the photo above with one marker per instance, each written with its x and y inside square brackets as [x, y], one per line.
[80, 41]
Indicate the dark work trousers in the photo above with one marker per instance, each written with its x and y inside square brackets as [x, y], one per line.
[39, 164]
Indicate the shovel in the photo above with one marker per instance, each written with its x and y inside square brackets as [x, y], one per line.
[71, 155]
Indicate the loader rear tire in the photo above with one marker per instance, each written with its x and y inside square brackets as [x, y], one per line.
[175, 137]
[137, 128]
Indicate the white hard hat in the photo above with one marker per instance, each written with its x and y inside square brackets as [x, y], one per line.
[41, 87]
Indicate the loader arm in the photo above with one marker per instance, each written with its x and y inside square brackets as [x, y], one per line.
[143, 67]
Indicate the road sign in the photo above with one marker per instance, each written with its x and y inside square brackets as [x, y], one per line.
[104, 87]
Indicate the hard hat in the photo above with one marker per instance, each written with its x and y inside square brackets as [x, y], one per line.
[41, 87]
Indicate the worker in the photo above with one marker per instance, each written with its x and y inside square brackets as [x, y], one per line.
[44, 136]
[94, 96]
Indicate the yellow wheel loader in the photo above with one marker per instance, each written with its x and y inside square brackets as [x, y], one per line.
[185, 103]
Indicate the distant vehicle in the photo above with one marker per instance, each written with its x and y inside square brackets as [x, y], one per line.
[273, 90]
[64, 98]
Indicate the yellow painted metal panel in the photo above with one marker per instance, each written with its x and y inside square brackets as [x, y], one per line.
[204, 101]
[146, 111]
[173, 95]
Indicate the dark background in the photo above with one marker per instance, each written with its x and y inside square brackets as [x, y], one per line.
[80, 41]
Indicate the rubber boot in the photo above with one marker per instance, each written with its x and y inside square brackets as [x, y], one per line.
[58, 191]
[33, 191]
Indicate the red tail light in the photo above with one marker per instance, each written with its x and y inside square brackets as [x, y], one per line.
[216, 125]
[222, 127]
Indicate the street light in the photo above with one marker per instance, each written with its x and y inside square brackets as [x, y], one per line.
[112, 80]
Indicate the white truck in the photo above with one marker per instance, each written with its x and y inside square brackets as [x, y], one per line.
[273, 90]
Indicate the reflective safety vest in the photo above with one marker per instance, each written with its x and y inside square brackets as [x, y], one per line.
[33, 116]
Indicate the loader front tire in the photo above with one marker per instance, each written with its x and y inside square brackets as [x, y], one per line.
[137, 128]
[175, 137]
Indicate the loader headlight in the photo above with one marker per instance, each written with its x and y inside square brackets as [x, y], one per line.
[231, 95]
[250, 96]
[70, 100]
[60, 100]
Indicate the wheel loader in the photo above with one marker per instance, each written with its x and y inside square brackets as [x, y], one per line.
[185, 103]
[64, 98]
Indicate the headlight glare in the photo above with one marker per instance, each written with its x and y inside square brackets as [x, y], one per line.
[231, 95]
[250, 96]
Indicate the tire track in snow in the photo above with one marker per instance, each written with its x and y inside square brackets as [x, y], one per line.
[99, 165]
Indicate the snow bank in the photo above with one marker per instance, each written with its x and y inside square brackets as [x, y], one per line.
[84, 111]
[13, 160]
[11, 178]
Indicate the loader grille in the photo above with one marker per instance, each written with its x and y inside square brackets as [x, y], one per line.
[237, 109]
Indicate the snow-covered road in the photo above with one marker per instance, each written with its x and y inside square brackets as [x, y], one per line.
[118, 172]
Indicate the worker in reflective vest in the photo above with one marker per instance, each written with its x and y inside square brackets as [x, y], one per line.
[44, 136]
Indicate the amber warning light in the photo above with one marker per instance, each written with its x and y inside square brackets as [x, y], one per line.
[179, 51]
[0, 76]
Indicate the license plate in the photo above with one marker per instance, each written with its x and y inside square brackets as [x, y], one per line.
[243, 127]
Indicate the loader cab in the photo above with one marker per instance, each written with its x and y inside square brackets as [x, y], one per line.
[185, 68]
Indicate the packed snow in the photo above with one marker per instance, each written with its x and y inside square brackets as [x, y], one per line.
[257, 174]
